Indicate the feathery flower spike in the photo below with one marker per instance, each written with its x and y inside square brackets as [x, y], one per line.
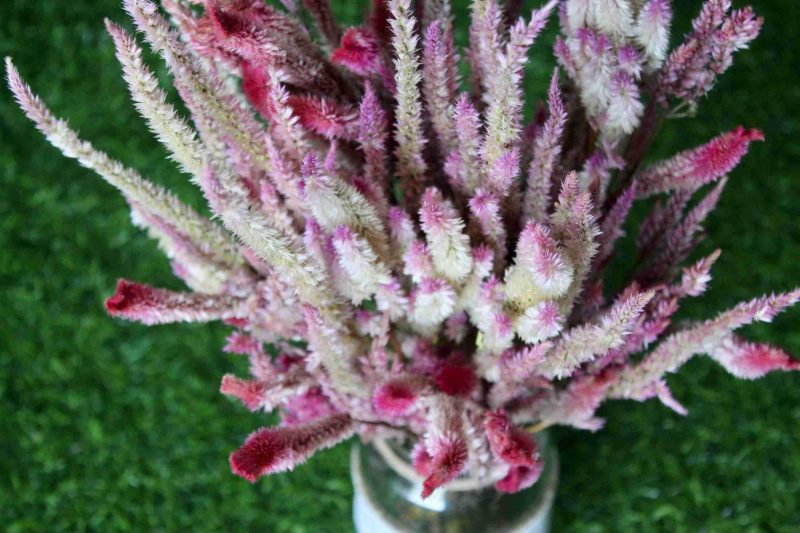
[271, 450]
[694, 168]
[411, 166]
[149, 305]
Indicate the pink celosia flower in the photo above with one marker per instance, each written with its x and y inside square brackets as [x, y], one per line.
[324, 117]
[747, 360]
[518, 365]
[547, 149]
[694, 168]
[398, 396]
[465, 168]
[540, 266]
[420, 460]
[433, 301]
[509, 443]
[306, 407]
[149, 305]
[520, 478]
[576, 406]
[243, 344]
[359, 52]
[447, 242]
[439, 82]
[691, 69]
[250, 392]
[418, 262]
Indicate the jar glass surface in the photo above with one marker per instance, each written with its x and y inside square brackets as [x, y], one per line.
[388, 497]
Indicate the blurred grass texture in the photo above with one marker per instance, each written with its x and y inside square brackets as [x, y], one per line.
[111, 426]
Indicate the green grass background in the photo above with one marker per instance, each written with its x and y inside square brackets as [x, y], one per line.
[111, 426]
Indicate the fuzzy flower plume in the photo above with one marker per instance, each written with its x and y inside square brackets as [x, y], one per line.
[691, 169]
[271, 450]
[149, 305]
[445, 444]
[398, 253]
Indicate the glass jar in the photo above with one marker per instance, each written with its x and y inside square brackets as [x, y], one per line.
[387, 496]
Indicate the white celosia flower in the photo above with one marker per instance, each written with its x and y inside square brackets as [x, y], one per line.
[539, 322]
[448, 244]
[151, 102]
[364, 270]
[335, 203]
[487, 301]
[577, 11]
[551, 273]
[483, 262]
[401, 230]
[498, 333]
[612, 17]
[624, 108]
[595, 71]
[652, 31]
[391, 299]
[540, 271]
[433, 301]
[408, 129]
[585, 342]
[417, 262]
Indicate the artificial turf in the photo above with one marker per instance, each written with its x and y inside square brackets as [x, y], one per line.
[111, 426]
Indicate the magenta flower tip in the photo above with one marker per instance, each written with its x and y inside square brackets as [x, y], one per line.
[127, 297]
[395, 398]
[258, 455]
[445, 467]
[520, 478]
[456, 380]
[509, 443]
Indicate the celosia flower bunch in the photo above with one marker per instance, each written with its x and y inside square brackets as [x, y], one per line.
[401, 259]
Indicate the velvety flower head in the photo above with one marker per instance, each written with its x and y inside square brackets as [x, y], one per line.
[398, 396]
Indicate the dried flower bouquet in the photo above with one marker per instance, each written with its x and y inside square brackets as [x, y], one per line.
[402, 259]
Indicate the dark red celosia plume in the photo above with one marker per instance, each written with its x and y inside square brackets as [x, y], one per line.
[509, 443]
[456, 380]
[520, 478]
[271, 450]
[325, 117]
[359, 52]
[396, 397]
[445, 466]
[266, 37]
[255, 88]
[129, 297]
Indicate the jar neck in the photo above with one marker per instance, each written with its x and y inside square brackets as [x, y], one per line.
[405, 470]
